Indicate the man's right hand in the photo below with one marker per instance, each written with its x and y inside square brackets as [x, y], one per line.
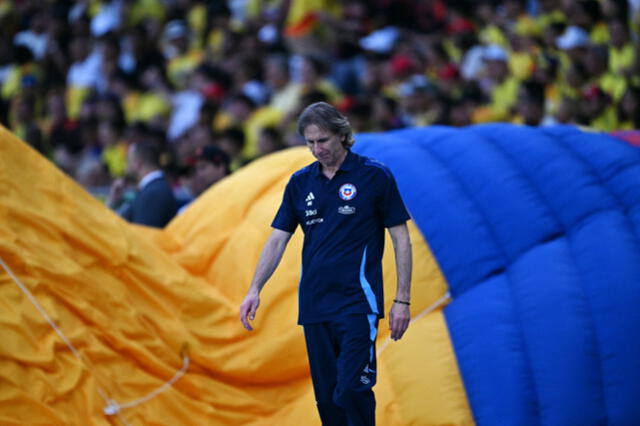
[248, 309]
[269, 259]
[116, 192]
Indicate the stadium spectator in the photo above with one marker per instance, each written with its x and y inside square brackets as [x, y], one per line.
[70, 71]
[181, 57]
[629, 109]
[418, 104]
[269, 141]
[597, 109]
[573, 45]
[208, 166]
[352, 24]
[530, 104]
[35, 37]
[284, 92]
[499, 85]
[113, 147]
[23, 112]
[385, 115]
[62, 132]
[22, 75]
[232, 142]
[154, 203]
[622, 52]
[596, 65]
[83, 73]
[587, 15]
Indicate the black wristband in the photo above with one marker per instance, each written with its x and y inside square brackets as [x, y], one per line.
[402, 302]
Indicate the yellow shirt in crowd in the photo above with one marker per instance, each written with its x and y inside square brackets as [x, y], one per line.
[115, 158]
[607, 121]
[180, 67]
[503, 98]
[621, 58]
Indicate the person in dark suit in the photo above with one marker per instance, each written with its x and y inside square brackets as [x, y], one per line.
[154, 203]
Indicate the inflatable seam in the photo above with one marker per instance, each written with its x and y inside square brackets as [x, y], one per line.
[604, 182]
[491, 231]
[568, 230]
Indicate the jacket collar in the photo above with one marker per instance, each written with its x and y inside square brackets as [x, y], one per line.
[151, 176]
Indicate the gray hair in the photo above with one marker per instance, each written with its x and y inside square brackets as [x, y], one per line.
[328, 118]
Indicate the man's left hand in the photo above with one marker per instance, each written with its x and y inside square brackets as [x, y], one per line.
[399, 318]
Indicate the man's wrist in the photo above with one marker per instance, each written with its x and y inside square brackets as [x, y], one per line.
[253, 291]
[402, 302]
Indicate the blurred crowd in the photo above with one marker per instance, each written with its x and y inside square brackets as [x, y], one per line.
[223, 81]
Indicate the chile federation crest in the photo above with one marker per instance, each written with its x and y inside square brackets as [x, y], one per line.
[347, 191]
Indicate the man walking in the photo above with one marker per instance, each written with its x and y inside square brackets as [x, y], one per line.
[342, 202]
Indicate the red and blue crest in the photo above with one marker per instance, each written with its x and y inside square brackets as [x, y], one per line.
[347, 191]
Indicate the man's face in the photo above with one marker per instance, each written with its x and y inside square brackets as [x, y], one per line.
[325, 146]
[206, 174]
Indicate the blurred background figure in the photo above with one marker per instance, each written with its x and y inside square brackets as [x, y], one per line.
[25, 127]
[269, 141]
[629, 109]
[530, 105]
[153, 203]
[597, 109]
[208, 166]
[62, 132]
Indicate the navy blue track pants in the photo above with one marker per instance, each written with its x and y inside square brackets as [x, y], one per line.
[342, 358]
